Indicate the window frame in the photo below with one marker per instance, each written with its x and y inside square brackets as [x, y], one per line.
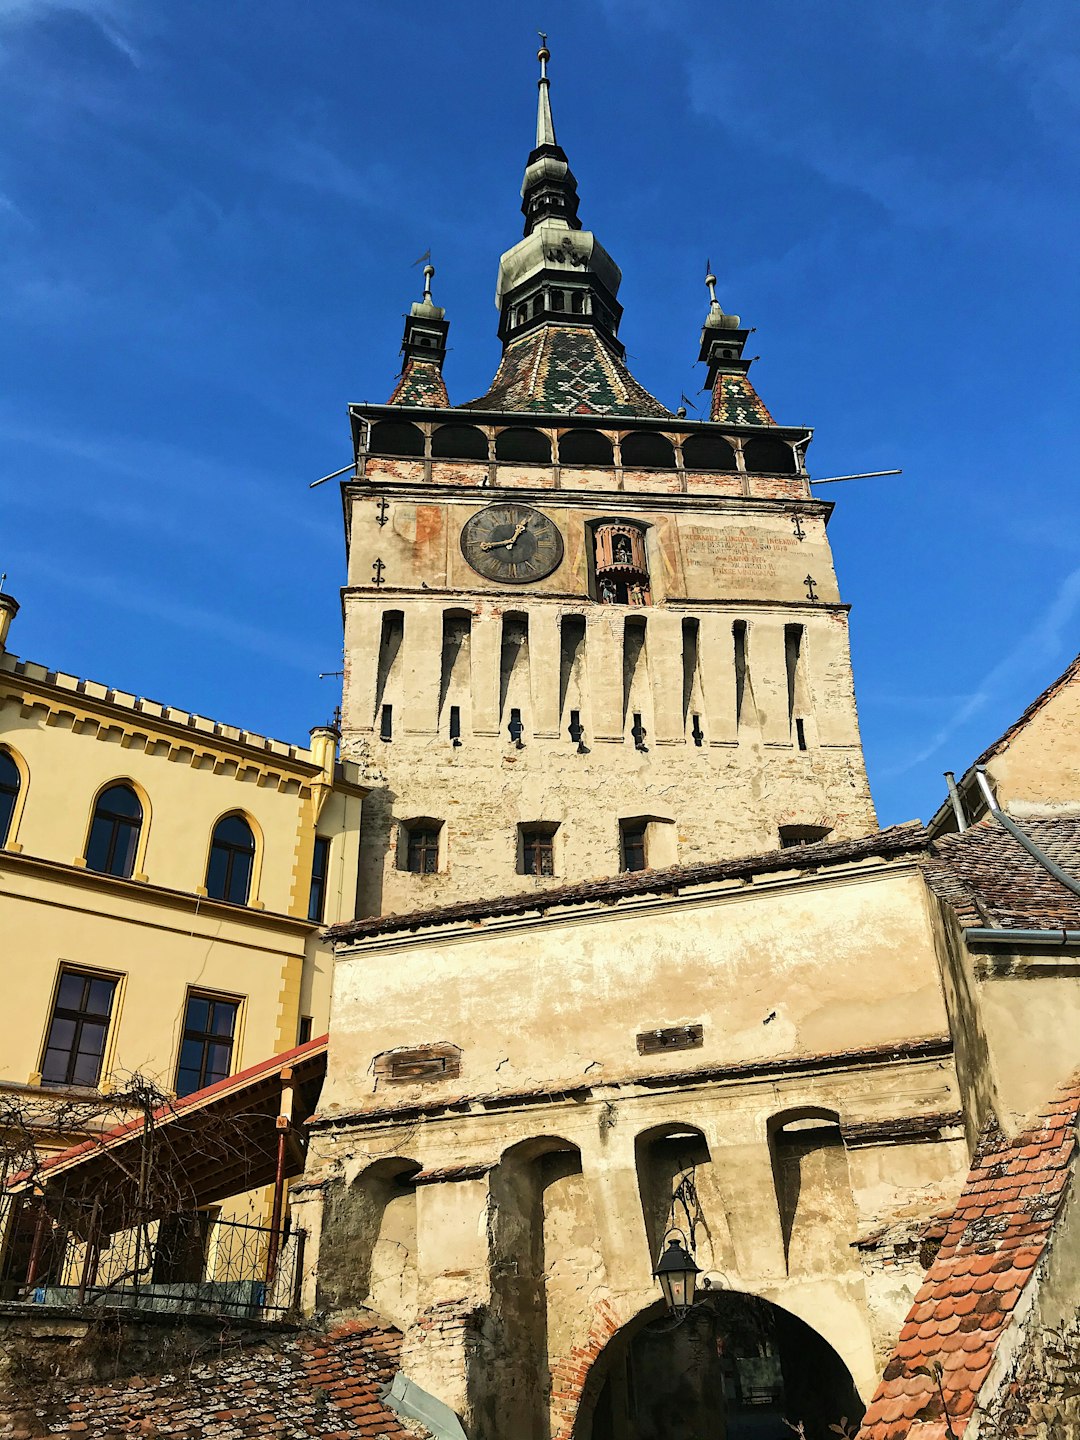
[118, 821]
[320, 880]
[208, 1037]
[80, 1017]
[10, 828]
[535, 843]
[637, 833]
[251, 895]
[423, 839]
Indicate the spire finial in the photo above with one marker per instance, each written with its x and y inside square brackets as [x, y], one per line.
[710, 281]
[429, 275]
[545, 126]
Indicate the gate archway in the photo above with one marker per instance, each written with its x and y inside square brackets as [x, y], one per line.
[737, 1367]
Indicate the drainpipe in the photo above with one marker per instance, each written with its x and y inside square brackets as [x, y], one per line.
[1061, 876]
[956, 802]
[1020, 939]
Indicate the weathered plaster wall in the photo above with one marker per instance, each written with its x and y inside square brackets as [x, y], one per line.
[547, 1165]
[1038, 770]
[777, 967]
[739, 555]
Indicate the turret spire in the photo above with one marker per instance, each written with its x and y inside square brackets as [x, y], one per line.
[545, 126]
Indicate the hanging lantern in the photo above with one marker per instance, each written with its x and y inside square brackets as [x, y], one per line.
[677, 1274]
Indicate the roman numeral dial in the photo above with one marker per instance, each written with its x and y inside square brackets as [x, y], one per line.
[511, 544]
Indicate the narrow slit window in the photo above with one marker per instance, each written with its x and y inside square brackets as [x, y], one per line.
[386, 723]
[575, 728]
[455, 724]
[800, 732]
[738, 632]
[10, 781]
[638, 732]
[320, 870]
[516, 728]
[634, 846]
[696, 732]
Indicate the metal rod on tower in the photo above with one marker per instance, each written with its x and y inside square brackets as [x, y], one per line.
[333, 476]
[866, 475]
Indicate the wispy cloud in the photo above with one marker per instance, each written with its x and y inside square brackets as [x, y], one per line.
[111, 17]
[1017, 670]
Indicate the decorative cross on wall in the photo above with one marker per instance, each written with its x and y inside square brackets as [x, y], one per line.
[800, 533]
[377, 574]
[811, 587]
[382, 506]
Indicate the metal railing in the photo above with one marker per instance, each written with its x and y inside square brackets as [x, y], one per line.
[192, 1262]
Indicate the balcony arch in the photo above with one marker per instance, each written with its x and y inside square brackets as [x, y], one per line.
[770, 456]
[647, 450]
[523, 446]
[585, 447]
[708, 452]
[396, 437]
[459, 442]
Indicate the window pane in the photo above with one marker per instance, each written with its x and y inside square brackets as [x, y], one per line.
[101, 995]
[97, 851]
[91, 1038]
[120, 800]
[217, 1063]
[123, 859]
[70, 995]
[239, 878]
[54, 1067]
[187, 1080]
[216, 872]
[61, 1034]
[224, 1018]
[198, 1013]
[86, 1070]
[234, 830]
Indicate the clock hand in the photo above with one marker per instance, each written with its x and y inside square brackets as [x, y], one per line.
[505, 544]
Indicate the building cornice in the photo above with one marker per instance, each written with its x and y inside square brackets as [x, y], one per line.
[143, 891]
[932, 1048]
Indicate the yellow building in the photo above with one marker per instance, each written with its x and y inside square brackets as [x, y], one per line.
[163, 882]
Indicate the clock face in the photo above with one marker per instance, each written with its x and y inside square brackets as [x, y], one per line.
[511, 543]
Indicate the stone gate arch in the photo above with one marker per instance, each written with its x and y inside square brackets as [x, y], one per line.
[737, 1367]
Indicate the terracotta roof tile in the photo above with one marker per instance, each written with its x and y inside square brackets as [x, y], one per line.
[979, 1273]
[990, 879]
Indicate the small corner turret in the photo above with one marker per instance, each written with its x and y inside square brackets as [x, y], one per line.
[734, 399]
[424, 349]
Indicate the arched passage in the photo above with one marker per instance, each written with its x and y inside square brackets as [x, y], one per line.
[737, 1367]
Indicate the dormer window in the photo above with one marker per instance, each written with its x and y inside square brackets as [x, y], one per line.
[622, 567]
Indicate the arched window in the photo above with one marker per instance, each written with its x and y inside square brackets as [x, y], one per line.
[395, 437]
[114, 832]
[707, 452]
[10, 782]
[527, 447]
[459, 442]
[585, 447]
[232, 859]
[770, 456]
[645, 451]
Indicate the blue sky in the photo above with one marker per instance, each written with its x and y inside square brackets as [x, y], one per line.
[208, 214]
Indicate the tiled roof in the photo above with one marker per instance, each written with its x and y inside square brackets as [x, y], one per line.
[736, 402]
[992, 1242]
[898, 839]
[990, 879]
[420, 383]
[566, 369]
[306, 1385]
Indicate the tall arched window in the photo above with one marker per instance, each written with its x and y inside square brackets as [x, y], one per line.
[10, 781]
[232, 859]
[114, 832]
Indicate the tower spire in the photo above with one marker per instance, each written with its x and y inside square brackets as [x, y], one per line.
[545, 125]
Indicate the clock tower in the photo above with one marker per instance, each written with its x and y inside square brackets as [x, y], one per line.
[584, 633]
